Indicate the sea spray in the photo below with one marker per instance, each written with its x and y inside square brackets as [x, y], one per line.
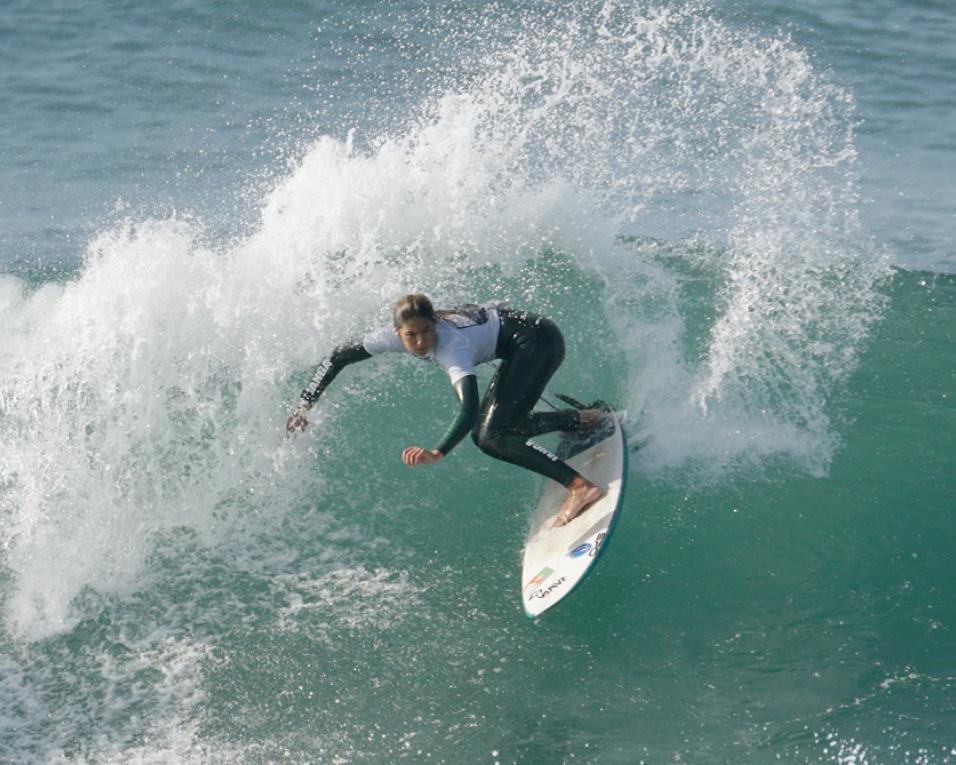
[149, 393]
[665, 121]
[133, 402]
[731, 141]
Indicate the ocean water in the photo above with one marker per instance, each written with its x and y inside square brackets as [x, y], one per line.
[740, 213]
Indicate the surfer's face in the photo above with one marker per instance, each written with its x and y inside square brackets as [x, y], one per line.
[417, 335]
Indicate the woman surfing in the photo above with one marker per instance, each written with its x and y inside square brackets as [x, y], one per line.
[530, 348]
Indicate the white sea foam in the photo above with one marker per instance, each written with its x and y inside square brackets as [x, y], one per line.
[127, 396]
[129, 701]
[345, 598]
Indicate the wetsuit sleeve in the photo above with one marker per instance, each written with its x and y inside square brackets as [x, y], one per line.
[328, 368]
[467, 390]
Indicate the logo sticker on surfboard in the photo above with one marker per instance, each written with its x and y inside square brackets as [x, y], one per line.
[581, 549]
[540, 577]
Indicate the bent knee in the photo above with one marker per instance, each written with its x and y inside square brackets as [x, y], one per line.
[485, 440]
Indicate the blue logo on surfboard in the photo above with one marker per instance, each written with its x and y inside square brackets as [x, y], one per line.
[582, 549]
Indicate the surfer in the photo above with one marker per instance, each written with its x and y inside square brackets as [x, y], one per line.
[530, 348]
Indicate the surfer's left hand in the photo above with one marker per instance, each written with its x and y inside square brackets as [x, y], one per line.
[415, 455]
[297, 422]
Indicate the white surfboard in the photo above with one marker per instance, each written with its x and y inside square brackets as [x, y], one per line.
[557, 559]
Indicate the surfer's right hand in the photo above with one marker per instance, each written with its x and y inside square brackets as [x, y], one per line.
[297, 422]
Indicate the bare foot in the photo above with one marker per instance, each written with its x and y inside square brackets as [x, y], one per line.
[581, 495]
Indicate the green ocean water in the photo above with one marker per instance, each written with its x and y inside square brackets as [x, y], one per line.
[688, 190]
[377, 618]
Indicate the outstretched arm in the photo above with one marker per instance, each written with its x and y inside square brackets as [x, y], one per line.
[467, 390]
[328, 368]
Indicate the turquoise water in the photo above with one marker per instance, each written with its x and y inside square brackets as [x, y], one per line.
[738, 214]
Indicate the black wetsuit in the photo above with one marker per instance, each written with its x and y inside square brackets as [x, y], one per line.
[531, 349]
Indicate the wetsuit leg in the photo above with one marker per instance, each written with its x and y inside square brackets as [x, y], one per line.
[531, 349]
